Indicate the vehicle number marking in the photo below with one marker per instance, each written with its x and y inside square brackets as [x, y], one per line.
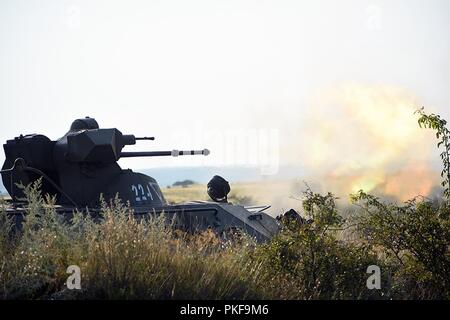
[141, 194]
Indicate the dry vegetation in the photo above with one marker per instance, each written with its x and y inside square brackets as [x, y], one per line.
[119, 258]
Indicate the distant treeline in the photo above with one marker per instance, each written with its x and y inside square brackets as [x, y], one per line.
[183, 183]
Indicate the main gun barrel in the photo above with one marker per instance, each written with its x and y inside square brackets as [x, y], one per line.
[173, 153]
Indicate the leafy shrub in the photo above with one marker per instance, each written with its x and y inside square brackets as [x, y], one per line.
[415, 238]
[435, 122]
[310, 260]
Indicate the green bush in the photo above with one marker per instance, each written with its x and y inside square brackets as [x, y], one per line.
[312, 262]
[415, 238]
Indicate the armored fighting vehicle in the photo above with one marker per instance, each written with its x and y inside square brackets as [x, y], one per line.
[81, 166]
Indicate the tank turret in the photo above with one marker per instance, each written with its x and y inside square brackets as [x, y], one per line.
[82, 165]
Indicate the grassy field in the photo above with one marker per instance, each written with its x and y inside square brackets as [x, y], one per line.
[181, 194]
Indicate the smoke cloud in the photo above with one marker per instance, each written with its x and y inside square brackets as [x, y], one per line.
[367, 137]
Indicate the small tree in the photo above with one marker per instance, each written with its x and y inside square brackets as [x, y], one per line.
[435, 122]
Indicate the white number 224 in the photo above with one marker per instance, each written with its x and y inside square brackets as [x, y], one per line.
[140, 193]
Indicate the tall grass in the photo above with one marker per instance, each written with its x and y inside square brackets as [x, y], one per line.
[120, 258]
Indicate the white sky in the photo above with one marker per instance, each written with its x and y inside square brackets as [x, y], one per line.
[168, 68]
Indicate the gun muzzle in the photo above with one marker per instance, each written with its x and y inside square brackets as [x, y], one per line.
[176, 153]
